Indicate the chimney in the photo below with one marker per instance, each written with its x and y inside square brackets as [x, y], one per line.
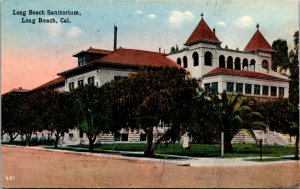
[214, 31]
[115, 37]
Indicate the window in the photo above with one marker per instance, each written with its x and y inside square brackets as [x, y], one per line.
[222, 61]
[252, 65]
[248, 88]
[214, 87]
[266, 90]
[71, 86]
[179, 61]
[185, 62]
[229, 87]
[81, 61]
[257, 89]
[265, 64]
[245, 64]
[281, 91]
[80, 83]
[208, 58]
[237, 63]
[229, 63]
[207, 86]
[91, 80]
[239, 88]
[196, 59]
[273, 91]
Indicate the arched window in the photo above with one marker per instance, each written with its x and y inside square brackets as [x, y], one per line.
[208, 58]
[222, 61]
[196, 59]
[229, 62]
[252, 65]
[237, 63]
[265, 64]
[179, 61]
[245, 64]
[185, 62]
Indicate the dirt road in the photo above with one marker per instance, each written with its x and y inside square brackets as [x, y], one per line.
[25, 167]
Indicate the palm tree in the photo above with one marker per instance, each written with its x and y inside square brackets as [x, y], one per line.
[234, 115]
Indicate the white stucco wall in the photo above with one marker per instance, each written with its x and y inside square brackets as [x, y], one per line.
[198, 71]
[101, 76]
[223, 79]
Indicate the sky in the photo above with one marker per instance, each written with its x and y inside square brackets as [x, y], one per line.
[33, 54]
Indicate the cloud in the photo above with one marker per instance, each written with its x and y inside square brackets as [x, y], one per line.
[53, 29]
[139, 12]
[243, 22]
[74, 32]
[176, 18]
[221, 23]
[151, 16]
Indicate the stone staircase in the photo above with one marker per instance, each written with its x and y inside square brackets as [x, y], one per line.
[277, 138]
[269, 137]
[242, 137]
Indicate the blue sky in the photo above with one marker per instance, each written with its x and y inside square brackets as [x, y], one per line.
[145, 25]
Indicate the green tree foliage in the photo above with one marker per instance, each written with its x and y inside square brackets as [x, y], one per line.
[31, 114]
[235, 115]
[149, 96]
[58, 113]
[280, 115]
[280, 56]
[11, 114]
[93, 112]
[202, 122]
[294, 70]
[294, 89]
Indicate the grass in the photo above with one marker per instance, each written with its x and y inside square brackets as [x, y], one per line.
[196, 150]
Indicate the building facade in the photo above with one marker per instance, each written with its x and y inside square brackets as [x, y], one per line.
[245, 71]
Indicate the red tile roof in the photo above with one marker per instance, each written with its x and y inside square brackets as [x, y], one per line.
[138, 58]
[258, 42]
[242, 73]
[102, 51]
[57, 81]
[93, 50]
[202, 33]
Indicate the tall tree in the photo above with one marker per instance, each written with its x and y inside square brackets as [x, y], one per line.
[94, 113]
[30, 114]
[59, 115]
[202, 122]
[280, 57]
[234, 115]
[11, 115]
[149, 96]
[294, 89]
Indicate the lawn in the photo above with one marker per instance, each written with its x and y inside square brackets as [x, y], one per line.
[196, 150]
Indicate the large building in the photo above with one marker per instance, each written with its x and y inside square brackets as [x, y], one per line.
[247, 72]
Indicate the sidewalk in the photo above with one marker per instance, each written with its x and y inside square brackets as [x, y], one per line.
[181, 160]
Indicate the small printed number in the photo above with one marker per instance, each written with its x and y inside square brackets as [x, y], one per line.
[10, 178]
